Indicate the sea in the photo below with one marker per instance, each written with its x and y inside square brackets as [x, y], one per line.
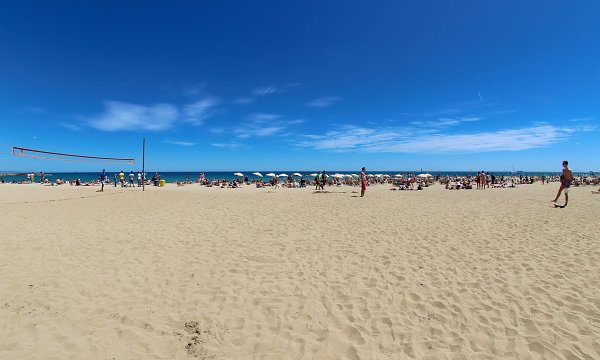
[193, 176]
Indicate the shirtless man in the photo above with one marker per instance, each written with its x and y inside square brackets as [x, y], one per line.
[565, 183]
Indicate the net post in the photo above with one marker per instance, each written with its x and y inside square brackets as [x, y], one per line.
[144, 165]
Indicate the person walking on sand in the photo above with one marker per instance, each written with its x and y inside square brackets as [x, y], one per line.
[102, 179]
[323, 180]
[131, 179]
[565, 183]
[482, 180]
[363, 181]
[122, 178]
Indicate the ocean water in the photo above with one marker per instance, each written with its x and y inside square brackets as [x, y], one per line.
[193, 176]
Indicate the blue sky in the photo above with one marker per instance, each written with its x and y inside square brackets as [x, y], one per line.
[245, 85]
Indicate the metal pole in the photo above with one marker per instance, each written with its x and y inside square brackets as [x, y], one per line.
[144, 166]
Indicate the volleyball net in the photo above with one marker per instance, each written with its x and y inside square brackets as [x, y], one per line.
[50, 155]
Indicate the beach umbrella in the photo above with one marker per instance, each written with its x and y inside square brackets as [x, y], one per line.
[239, 174]
[338, 176]
[386, 175]
[424, 175]
[398, 175]
[257, 174]
[313, 174]
[349, 176]
[271, 174]
[378, 175]
[354, 175]
[282, 175]
[297, 174]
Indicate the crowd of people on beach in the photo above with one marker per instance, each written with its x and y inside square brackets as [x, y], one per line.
[484, 181]
[481, 180]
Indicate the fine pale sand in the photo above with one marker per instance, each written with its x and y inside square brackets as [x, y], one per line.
[178, 273]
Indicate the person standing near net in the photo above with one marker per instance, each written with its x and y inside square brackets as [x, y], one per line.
[122, 178]
[102, 179]
[363, 181]
[131, 178]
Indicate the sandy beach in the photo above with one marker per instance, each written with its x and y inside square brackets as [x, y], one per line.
[207, 273]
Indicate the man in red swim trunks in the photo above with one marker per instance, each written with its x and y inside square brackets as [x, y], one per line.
[363, 181]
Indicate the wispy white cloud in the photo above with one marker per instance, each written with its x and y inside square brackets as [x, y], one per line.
[502, 140]
[351, 138]
[266, 90]
[244, 100]
[323, 101]
[272, 89]
[407, 140]
[30, 110]
[253, 130]
[70, 126]
[441, 112]
[263, 125]
[582, 119]
[195, 89]
[122, 116]
[264, 117]
[131, 117]
[230, 145]
[445, 122]
[197, 112]
[180, 143]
